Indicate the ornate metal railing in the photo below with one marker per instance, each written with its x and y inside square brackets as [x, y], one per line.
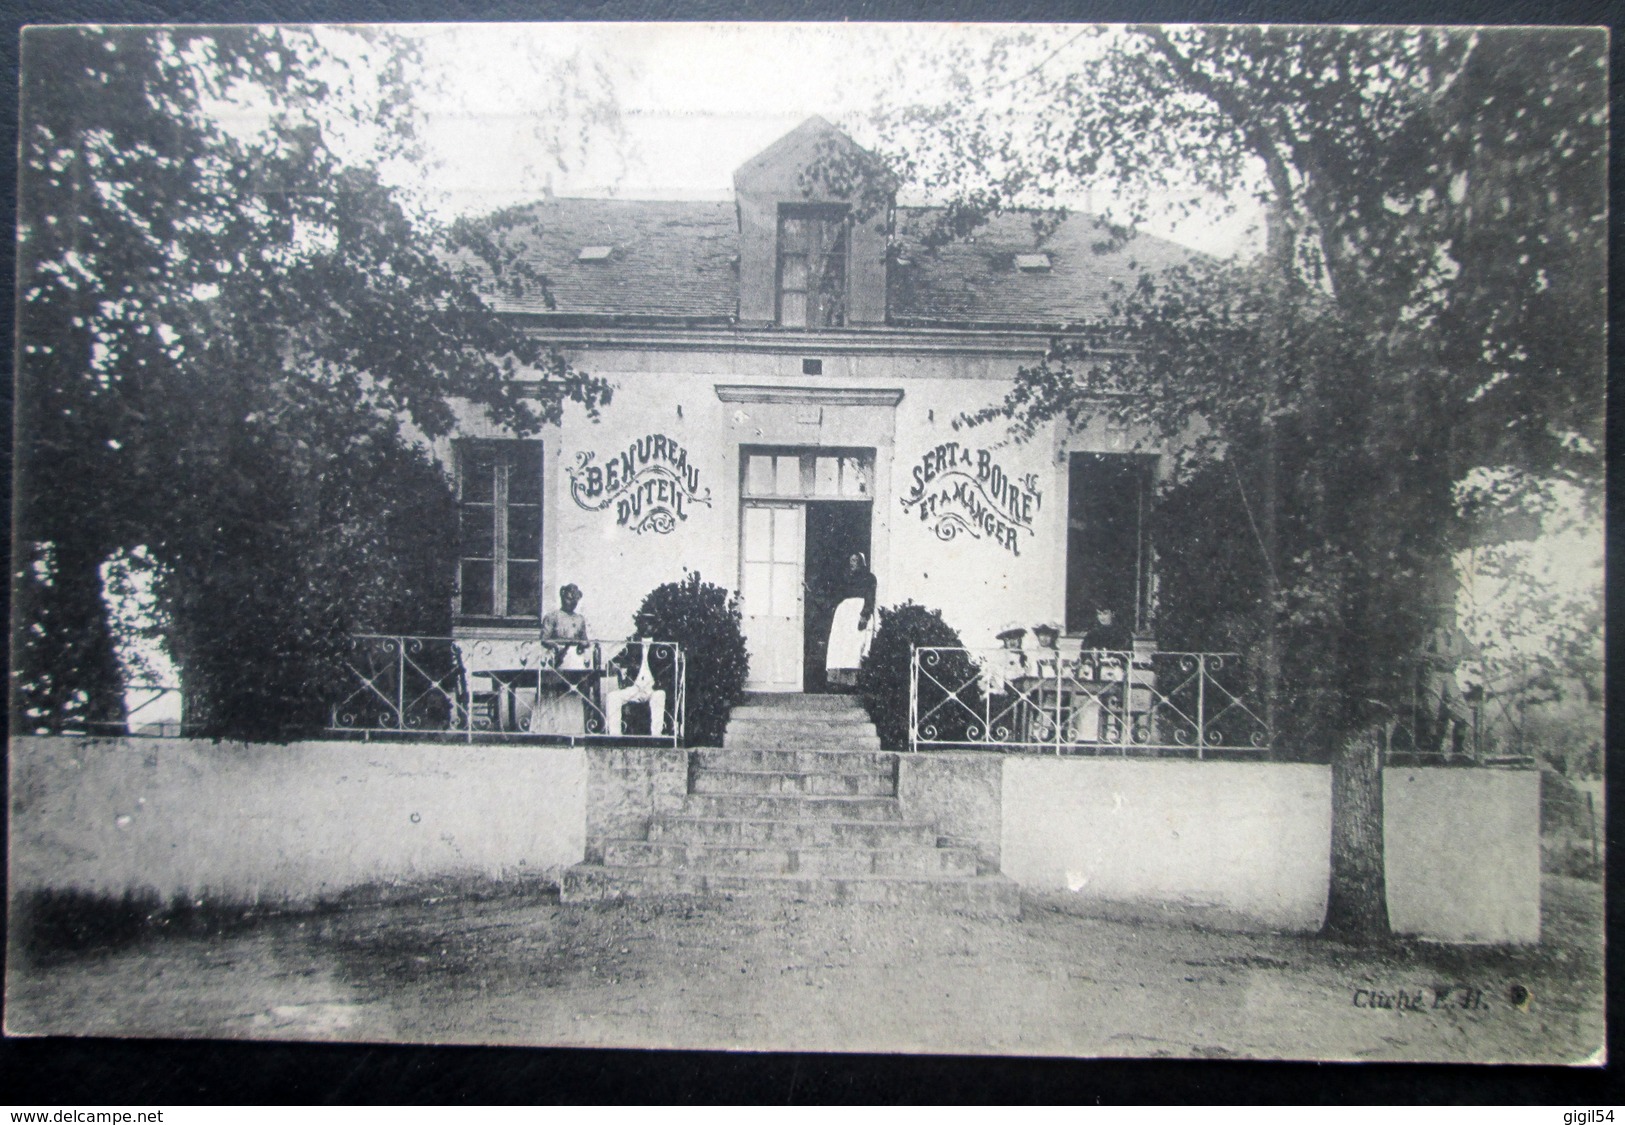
[529, 690]
[1471, 726]
[1085, 701]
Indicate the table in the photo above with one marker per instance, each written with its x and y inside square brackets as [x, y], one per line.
[573, 684]
[1085, 703]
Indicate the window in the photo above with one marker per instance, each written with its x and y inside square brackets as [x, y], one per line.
[812, 266]
[499, 510]
[825, 474]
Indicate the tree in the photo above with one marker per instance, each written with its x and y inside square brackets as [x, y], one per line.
[1429, 302]
[231, 345]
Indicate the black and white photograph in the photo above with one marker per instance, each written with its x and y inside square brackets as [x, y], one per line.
[1041, 540]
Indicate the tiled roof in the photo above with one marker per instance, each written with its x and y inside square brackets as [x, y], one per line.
[976, 280]
[679, 260]
[666, 259]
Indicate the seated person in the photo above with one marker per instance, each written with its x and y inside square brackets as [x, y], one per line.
[638, 681]
[565, 624]
[559, 708]
[1106, 633]
[1009, 663]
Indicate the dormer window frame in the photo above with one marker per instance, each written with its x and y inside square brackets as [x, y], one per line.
[814, 315]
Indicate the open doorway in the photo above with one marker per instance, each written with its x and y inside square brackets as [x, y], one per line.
[1108, 570]
[836, 530]
[803, 511]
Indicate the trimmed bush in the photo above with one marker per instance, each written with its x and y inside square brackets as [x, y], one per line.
[704, 618]
[883, 679]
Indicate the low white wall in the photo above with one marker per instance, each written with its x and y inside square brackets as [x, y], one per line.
[1249, 842]
[296, 822]
[1249, 839]
[1463, 853]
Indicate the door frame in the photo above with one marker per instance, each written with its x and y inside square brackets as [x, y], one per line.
[870, 455]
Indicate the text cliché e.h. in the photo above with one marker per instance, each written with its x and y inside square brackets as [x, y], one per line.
[650, 484]
[957, 489]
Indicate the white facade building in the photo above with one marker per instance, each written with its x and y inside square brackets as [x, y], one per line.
[788, 373]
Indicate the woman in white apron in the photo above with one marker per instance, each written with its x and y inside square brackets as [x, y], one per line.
[850, 632]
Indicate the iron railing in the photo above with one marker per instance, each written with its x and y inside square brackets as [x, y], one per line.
[530, 690]
[140, 697]
[1472, 728]
[1085, 701]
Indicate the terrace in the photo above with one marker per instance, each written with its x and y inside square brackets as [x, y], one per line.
[511, 690]
[1064, 699]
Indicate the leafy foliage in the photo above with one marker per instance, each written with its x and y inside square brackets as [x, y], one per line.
[1430, 302]
[231, 345]
[1211, 573]
[1534, 616]
[705, 619]
[883, 680]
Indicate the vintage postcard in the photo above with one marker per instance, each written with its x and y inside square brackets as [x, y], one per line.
[1054, 540]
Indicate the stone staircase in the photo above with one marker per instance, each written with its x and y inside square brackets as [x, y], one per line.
[799, 803]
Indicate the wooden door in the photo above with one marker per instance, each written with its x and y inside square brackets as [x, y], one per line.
[771, 563]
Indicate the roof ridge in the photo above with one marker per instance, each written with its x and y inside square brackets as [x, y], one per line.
[615, 199]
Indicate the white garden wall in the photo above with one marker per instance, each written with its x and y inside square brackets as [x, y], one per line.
[294, 823]
[1463, 852]
[1248, 843]
[1242, 838]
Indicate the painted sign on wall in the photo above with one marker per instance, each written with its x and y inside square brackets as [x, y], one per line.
[958, 489]
[650, 484]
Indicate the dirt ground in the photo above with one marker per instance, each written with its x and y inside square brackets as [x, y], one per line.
[761, 976]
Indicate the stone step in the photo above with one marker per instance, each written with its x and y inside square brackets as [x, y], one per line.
[769, 718]
[758, 807]
[864, 745]
[791, 760]
[796, 701]
[819, 859]
[799, 735]
[786, 783]
[799, 833]
[985, 895]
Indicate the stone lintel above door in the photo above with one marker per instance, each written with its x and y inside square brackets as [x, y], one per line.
[810, 396]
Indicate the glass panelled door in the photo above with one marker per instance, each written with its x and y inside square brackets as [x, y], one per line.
[777, 487]
[772, 554]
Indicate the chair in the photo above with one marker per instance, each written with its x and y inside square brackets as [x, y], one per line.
[492, 702]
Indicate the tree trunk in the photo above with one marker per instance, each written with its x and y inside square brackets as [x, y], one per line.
[1269, 504]
[1357, 901]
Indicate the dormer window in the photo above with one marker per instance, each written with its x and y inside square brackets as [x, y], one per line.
[812, 265]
